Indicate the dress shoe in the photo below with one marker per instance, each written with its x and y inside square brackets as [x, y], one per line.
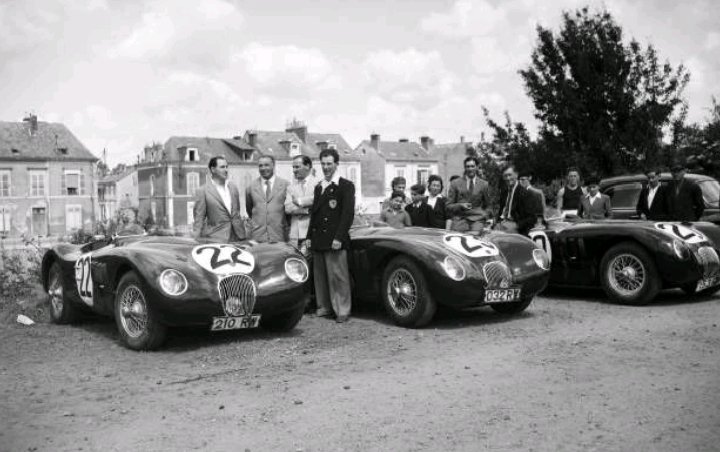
[342, 319]
[323, 313]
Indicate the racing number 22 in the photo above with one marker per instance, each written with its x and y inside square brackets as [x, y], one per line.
[84, 280]
[215, 263]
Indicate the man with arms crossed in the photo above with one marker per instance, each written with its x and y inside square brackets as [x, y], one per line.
[331, 216]
[217, 207]
[299, 199]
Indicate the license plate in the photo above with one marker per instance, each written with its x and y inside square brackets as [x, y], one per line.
[502, 295]
[234, 323]
[707, 282]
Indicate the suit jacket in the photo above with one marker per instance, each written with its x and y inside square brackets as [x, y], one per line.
[332, 215]
[685, 203]
[458, 193]
[267, 216]
[437, 214]
[658, 209]
[522, 210]
[212, 219]
[419, 216]
[598, 211]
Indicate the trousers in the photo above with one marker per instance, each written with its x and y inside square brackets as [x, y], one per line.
[332, 282]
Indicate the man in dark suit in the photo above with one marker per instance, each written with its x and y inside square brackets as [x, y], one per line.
[468, 199]
[331, 216]
[217, 207]
[684, 198]
[652, 203]
[517, 213]
[536, 195]
[418, 210]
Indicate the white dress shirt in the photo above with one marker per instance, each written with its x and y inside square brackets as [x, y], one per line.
[651, 194]
[325, 183]
[594, 198]
[432, 200]
[224, 192]
[303, 191]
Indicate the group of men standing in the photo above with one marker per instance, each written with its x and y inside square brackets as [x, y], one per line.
[314, 215]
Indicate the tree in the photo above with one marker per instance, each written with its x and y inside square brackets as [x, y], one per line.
[698, 145]
[602, 104]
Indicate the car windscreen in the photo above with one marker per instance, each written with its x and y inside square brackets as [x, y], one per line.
[624, 196]
[710, 191]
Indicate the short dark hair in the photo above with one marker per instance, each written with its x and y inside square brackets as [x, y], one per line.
[592, 180]
[397, 181]
[213, 161]
[330, 152]
[265, 156]
[307, 161]
[471, 158]
[453, 177]
[418, 188]
[397, 194]
[508, 167]
[573, 168]
[653, 170]
[435, 177]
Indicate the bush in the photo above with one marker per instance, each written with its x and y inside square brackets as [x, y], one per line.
[19, 273]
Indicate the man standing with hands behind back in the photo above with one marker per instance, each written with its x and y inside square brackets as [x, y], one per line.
[331, 216]
[217, 207]
[265, 203]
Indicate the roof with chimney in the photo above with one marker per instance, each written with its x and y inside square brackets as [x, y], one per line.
[397, 151]
[232, 149]
[278, 143]
[39, 140]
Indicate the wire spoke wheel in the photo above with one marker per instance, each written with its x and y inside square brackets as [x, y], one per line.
[627, 274]
[133, 311]
[402, 291]
[55, 291]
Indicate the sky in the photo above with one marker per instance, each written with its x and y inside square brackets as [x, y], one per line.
[122, 74]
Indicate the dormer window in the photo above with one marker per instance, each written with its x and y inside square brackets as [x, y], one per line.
[294, 149]
[63, 151]
[192, 155]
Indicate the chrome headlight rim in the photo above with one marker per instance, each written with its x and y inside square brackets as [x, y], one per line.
[541, 258]
[453, 262]
[161, 280]
[306, 274]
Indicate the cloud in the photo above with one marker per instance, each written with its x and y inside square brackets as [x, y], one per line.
[467, 18]
[409, 76]
[712, 40]
[288, 70]
[491, 56]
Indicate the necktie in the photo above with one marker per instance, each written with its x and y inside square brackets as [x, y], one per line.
[472, 185]
[508, 204]
[267, 189]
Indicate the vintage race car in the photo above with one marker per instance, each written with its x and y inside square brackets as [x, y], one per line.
[412, 270]
[632, 260]
[148, 283]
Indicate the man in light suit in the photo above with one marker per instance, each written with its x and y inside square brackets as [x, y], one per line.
[594, 205]
[217, 207]
[299, 199]
[265, 203]
[468, 200]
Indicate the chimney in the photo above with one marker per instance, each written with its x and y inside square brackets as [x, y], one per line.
[462, 138]
[298, 128]
[403, 140]
[252, 138]
[375, 141]
[32, 121]
[426, 142]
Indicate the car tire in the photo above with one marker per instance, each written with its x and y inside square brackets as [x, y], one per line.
[691, 289]
[512, 308]
[283, 322]
[62, 309]
[406, 295]
[137, 323]
[628, 274]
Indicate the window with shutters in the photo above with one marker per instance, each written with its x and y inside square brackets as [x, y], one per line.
[37, 183]
[73, 217]
[4, 184]
[71, 178]
[5, 219]
[193, 182]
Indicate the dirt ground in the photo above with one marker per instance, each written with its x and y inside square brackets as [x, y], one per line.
[572, 373]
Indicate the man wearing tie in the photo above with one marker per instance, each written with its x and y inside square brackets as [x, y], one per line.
[652, 203]
[468, 200]
[265, 203]
[517, 213]
[299, 199]
[217, 207]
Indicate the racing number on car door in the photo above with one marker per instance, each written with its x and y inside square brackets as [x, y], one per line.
[83, 278]
[541, 241]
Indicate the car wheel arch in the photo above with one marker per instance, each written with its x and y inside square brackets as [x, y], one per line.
[614, 241]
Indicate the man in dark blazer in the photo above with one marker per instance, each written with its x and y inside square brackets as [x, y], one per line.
[468, 200]
[418, 210]
[517, 212]
[331, 216]
[652, 203]
[217, 207]
[684, 198]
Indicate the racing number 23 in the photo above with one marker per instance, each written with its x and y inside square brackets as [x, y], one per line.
[83, 277]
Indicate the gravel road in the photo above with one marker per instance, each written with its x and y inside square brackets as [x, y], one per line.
[573, 372]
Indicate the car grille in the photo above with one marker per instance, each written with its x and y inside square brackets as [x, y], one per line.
[708, 258]
[497, 274]
[237, 294]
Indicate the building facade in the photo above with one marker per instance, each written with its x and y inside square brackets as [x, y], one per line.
[117, 191]
[47, 180]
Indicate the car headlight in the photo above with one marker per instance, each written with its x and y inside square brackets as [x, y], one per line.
[453, 268]
[541, 259]
[173, 282]
[296, 269]
[681, 250]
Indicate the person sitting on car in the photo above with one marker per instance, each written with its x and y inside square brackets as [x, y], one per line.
[652, 203]
[397, 184]
[418, 209]
[594, 205]
[684, 198]
[395, 215]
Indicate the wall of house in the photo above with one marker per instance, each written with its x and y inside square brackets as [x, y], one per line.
[126, 190]
[408, 170]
